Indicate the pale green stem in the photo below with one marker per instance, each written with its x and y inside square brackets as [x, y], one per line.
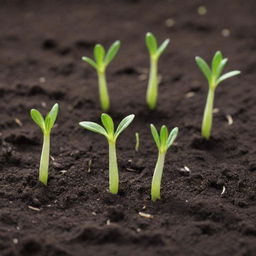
[44, 161]
[113, 169]
[137, 145]
[103, 91]
[157, 177]
[152, 90]
[207, 119]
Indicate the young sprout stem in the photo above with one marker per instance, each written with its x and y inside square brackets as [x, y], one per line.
[44, 161]
[157, 177]
[152, 90]
[214, 77]
[163, 141]
[113, 169]
[100, 62]
[137, 145]
[46, 124]
[103, 91]
[154, 53]
[207, 118]
[108, 131]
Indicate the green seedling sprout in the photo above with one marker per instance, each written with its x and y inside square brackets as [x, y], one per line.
[46, 127]
[137, 145]
[214, 77]
[154, 52]
[107, 130]
[100, 63]
[163, 141]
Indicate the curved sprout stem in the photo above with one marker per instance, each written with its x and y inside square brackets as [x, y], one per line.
[152, 90]
[157, 177]
[207, 118]
[44, 161]
[103, 91]
[113, 169]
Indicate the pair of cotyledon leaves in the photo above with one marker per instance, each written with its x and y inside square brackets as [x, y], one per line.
[152, 45]
[164, 139]
[108, 129]
[213, 74]
[101, 58]
[47, 123]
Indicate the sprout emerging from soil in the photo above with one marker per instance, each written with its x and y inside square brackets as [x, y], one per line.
[100, 63]
[137, 145]
[107, 130]
[214, 77]
[154, 52]
[163, 141]
[46, 127]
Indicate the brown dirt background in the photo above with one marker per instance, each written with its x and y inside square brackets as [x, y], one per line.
[41, 44]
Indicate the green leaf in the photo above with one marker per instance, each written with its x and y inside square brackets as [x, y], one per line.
[108, 123]
[216, 61]
[124, 124]
[221, 67]
[204, 67]
[163, 136]
[112, 52]
[37, 118]
[151, 43]
[99, 53]
[90, 61]
[163, 47]
[228, 75]
[52, 115]
[48, 124]
[94, 127]
[172, 136]
[155, 135]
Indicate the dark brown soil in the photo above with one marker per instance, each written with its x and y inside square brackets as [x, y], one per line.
[41, 44]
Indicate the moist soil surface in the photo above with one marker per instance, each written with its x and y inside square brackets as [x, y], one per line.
[208, 210]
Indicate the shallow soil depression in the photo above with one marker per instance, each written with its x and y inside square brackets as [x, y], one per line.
[209, 188]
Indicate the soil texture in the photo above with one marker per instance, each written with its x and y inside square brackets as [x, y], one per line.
[209, 188]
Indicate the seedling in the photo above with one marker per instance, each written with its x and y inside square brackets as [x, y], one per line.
[154, 52]
[163, 141]
[107, 130]
[100, 63]
[214, 77]
[46, 127]
[137, 145]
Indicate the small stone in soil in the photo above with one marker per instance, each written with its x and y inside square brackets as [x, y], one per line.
[189, 95]
[230, 119]
[223, 190]
[169, 23]
[57, 165]
[15, 240]
[43, 104]
[146, 215]
[225, 32]
[42, 80]
[185, 171]
[18, 122]
[216, 110]
[33, 208]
